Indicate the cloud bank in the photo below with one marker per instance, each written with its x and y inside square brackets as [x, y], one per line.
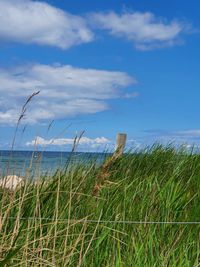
[66, 141]
[85, 142]
[65, 91]
[37, 22]
[145, 30]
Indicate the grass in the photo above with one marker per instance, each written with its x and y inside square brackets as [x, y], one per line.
[64, 220]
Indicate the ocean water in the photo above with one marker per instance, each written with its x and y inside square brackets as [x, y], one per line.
[37, 162]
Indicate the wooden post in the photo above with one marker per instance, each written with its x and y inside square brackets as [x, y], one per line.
[120, 143]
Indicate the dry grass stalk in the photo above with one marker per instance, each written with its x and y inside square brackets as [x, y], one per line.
[22, 115]
[105, 172]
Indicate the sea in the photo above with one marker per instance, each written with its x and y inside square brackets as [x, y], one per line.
[44, 162]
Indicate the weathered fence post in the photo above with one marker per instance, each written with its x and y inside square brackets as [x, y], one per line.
[120, 143]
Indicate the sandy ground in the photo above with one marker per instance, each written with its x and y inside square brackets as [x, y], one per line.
[11, 182]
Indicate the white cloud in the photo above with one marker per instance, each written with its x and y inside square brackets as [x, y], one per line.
[64, 91]
[133, 144]
[37, 22]
[185, 137]
[180, 135]
[131, 95]
[99, 142]
[144, 29]
[189, 133]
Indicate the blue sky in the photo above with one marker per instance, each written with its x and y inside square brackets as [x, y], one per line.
[101, 66]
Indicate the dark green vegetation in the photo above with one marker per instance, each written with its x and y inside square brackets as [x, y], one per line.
[48, 223]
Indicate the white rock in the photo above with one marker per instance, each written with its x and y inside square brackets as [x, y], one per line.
[11, 182]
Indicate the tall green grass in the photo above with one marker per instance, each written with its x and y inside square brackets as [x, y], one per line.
[59, 221]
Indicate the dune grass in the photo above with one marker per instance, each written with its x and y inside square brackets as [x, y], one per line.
[62, 221]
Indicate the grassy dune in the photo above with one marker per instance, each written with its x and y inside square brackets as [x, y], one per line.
[81, 216]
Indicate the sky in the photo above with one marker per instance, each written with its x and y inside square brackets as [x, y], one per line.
[103, 67]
